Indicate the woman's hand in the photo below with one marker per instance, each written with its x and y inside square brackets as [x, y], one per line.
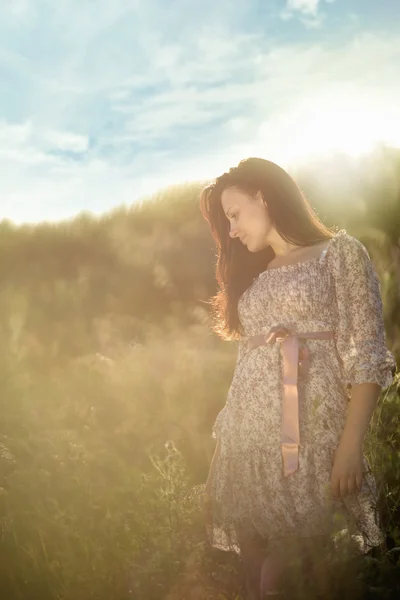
[347, 471]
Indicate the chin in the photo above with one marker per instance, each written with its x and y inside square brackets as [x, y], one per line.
[254, 247]
[249, 246]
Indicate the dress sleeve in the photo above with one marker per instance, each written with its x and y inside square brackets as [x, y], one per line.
[360, 330]
[221, 417]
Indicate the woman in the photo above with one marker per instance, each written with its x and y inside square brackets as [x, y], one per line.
[305, 304]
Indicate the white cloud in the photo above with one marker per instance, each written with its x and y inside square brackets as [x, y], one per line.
[27, 136]
[19, 8]
[69, 142]
[145, 103]
[308, 12]
[12, 135]
[308, 7]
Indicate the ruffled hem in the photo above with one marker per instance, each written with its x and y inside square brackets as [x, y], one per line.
[251, 493]
[383, 374]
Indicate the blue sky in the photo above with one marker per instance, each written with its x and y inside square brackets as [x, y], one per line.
[104, 103]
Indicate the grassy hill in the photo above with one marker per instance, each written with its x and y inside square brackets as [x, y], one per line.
[111, 380]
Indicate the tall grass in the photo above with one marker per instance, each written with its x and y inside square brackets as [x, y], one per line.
[110, 381]
[98, 457]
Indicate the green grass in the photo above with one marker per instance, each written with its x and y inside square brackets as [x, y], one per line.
[98, 459]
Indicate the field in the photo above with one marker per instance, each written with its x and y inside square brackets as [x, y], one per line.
[111, 379]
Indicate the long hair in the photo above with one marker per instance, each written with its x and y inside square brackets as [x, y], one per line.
[237, 267]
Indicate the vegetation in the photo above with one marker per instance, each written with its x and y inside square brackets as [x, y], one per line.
[110, 383]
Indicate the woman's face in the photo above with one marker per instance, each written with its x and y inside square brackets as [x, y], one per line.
[248, 218]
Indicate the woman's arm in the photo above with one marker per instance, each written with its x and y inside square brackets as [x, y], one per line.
[364, 398]
[347, 472]
[368, 365]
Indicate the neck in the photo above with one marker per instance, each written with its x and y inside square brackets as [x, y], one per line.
[282, 251]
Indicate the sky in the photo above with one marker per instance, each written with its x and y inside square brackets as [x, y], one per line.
[103, 103]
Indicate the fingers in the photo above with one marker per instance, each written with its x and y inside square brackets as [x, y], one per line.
[346, 486]
[274, 330]
[343, 487]
[351, 485]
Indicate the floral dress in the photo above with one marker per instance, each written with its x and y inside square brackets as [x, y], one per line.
[339, 291]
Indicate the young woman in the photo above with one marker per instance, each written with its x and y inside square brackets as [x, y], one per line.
[305, 304]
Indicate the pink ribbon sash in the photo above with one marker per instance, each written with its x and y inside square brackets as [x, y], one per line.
[296, 360]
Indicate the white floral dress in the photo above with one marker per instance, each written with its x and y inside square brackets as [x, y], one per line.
[337, 291]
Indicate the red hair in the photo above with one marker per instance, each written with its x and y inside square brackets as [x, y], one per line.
[236, 267]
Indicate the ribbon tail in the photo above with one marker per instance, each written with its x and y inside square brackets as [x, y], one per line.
[290, 406]
[290, 454]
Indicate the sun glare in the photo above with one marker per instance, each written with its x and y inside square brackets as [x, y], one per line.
[326, 124]
[320, 127]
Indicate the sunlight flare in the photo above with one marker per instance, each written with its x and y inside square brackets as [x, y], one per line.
[353, 124]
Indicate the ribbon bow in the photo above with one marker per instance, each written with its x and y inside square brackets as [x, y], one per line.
[296, 360]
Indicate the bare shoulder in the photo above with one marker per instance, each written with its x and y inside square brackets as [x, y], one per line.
[303, 254]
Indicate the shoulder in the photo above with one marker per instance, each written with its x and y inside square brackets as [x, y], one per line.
[346, 249]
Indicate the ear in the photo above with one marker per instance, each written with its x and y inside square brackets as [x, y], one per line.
[260, 200]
